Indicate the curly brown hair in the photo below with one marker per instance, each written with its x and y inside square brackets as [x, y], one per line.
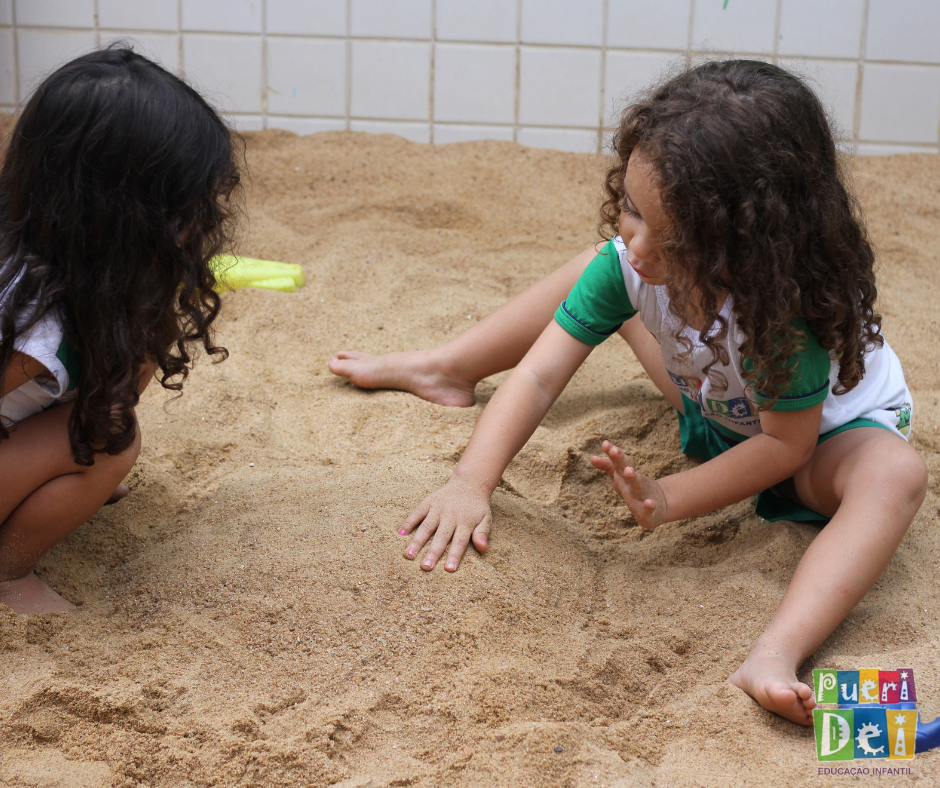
[758, 207]
[116, 191]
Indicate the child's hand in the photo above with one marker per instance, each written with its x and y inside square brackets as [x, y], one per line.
[455, 514]
[643, 495]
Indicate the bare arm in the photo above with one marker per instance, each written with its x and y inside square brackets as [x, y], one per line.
[786, 445]
[461, 509]
[22, 368]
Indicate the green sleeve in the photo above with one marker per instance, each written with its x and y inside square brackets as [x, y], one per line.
[809, 375]
[598, 304]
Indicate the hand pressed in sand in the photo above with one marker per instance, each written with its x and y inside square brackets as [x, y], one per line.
[644, 496]
[454, 515]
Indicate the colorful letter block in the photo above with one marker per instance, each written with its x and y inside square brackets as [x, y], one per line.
[826, 686]
[848, 686]
[902, 734]
[889, 683]
[871, 733]
[868, 686]
[834, 731]
[907, 693]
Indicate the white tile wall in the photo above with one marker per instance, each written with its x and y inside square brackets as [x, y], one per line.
[474, 83]
[562, 22]
[734, 25]
[905, 30]
[245, 122]
[640, 24]
[542, 72]
[226, 69]
[835, 83]
[162, 48]
[7, 68]
[629, 72]
[823, 29]
[391, 80]
[149, 15]
[559, 87]
[222, 16]
[890, 92]
[307, 76]
[40, 51]
[55, 13]
[312, 17]
[386, 19]
[481, 20]
[446, 133]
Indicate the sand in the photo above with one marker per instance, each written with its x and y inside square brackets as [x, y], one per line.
[246, 619]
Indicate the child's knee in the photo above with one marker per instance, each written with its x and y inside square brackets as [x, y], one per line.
[906, 472]
[117, 466]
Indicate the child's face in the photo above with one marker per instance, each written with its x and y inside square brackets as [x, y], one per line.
[642, 220]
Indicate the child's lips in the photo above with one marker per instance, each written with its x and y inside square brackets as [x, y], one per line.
[636, 265]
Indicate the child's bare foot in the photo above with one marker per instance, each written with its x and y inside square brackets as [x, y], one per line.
[642, 495]
[416, 371]
[29, 594]
[772, 682]
[121, 491]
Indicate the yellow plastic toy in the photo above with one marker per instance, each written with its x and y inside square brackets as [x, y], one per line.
[233, 272]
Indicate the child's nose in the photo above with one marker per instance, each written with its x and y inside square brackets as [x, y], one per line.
[640, 246]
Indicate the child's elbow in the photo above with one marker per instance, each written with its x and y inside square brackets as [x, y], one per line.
[804, 453]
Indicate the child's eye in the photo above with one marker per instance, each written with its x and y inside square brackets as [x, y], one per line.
[625, 207]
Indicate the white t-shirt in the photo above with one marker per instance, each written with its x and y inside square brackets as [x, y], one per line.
[44, 342]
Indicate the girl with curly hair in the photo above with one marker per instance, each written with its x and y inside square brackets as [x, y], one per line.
[740, 273]
[114, 194]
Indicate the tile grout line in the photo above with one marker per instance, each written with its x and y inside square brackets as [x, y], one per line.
[264, 64]
[517, 89]
[16, 54]
[602, 102]
[777, 14]
[180, 52]
[349, 65]
[433, 73]
[860, 75]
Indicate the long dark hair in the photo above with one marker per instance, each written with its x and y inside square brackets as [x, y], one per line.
[757, 203]
[115, 192]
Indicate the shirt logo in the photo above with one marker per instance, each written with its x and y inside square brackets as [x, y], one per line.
[737, 408]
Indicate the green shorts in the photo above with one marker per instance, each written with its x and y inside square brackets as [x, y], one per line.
[700, 440]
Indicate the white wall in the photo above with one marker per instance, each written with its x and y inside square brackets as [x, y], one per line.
[547, 73]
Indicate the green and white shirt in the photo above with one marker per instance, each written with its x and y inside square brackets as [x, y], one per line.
[610, 292]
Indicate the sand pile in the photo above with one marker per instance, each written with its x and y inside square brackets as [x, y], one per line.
[246, 618]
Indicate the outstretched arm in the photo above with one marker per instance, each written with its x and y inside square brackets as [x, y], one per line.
[786, 445]
[460, 510]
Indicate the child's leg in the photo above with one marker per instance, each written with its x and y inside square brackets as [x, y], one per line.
[44, 497]
[448, 374]
[871, 482]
